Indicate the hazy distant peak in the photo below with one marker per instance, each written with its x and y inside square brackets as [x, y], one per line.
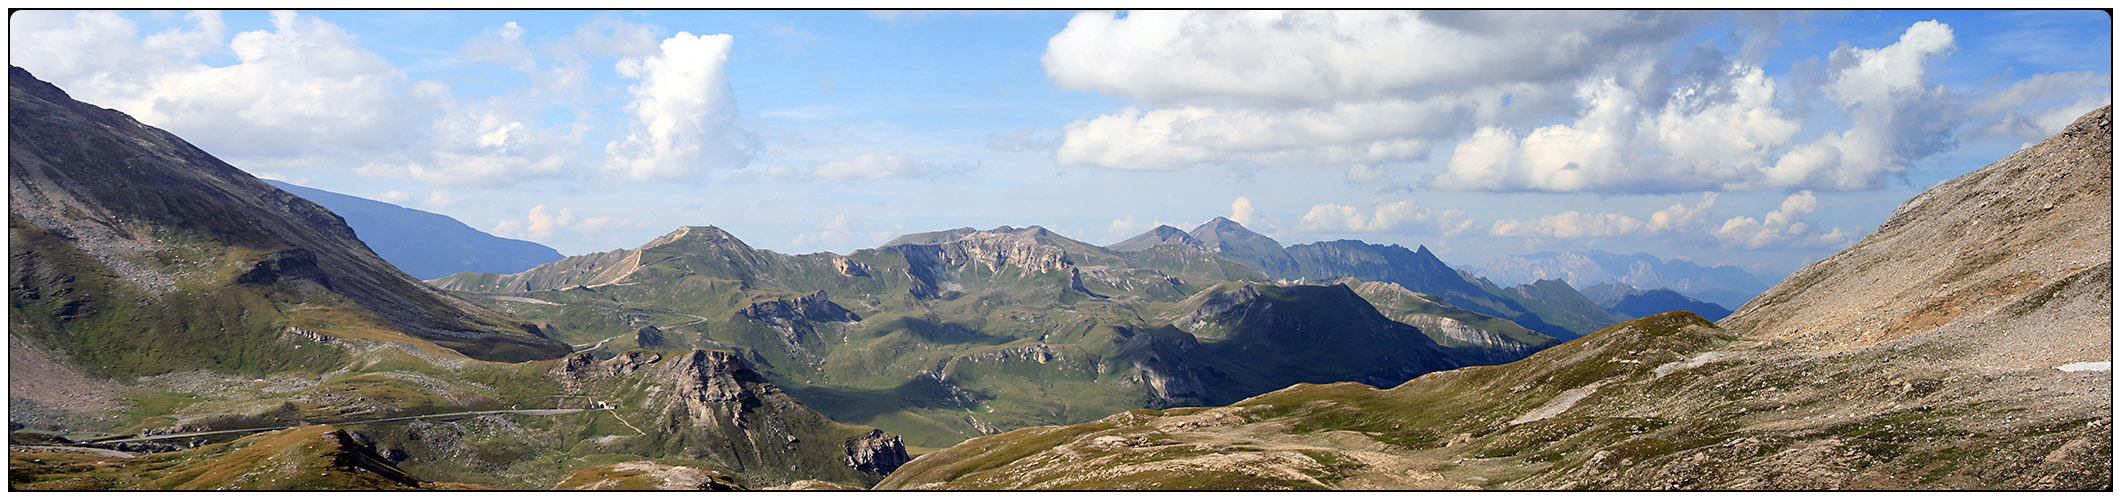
[1161, 235]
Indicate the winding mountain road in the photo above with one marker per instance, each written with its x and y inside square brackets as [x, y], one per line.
[535, 412]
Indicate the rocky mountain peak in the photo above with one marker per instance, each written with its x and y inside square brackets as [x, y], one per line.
[696, 234]
[1216, 230]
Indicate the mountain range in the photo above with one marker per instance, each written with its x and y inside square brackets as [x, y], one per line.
[424, 244]
[1728, 286]
[179, 324]
[951, 334]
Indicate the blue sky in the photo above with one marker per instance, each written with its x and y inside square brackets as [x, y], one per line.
[1761, 139]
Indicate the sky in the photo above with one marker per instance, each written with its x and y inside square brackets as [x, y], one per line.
[1762, 139]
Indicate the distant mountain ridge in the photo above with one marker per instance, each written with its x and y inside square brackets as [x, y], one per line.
[424, 244]
[1726, 285]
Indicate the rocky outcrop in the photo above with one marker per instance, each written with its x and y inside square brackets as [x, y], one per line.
[695, 379]
[849, 267]
[813, 307]
[878, 453]
[1075, 282]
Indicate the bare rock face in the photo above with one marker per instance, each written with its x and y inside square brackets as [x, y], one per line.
[813, 307]
[878, 453]
[1023, 252]
[708, 376]
[849, 267]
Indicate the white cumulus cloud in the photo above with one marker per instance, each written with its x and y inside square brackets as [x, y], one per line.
[684, 112]
[1397, 216]
[1783, 226]
[1708, 134]
[542, 222]
[1311, 87]
[1241, 210]
[1898, 116]
[301, 93]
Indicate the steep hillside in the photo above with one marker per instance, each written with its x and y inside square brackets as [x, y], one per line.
[1961, 346]
[1974, 256]
[425, 245]
[125, 235]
